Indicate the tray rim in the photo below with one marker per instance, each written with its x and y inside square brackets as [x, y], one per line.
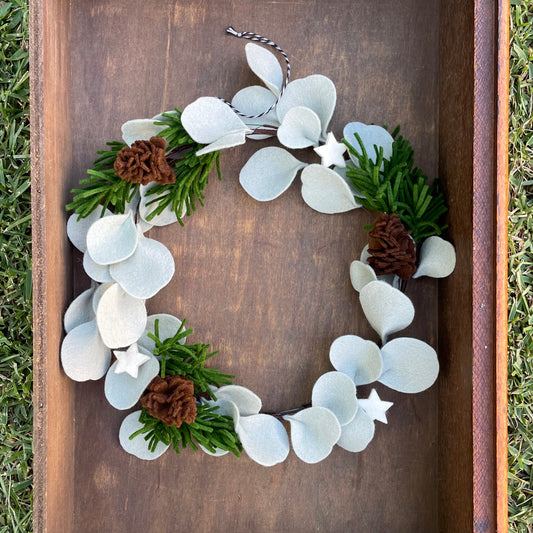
[491, 27]
[490, 390]
[502, 207]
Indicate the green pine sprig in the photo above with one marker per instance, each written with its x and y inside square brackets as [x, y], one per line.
[209, 429]
[192, 171]
[395, 185]
[188, 360]
[103, 188]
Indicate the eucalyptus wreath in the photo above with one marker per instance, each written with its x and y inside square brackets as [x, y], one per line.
[157, 175]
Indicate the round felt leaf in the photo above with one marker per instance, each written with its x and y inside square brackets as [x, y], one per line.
[264, 439]
[138, 446]
[409, 365]
[387, 309]
[336, 392]
[147, 271]
[265, 66]
[98, 293]
[247, 402]
[112, 239]
[77, 229]
[96, 272]
[229, 140]
[370, 136]
[325, 191]
[208, 119]
[314, 432]
[316, 92]
[437, 258]
[80, 310]
[365, 254]
[121, 318]
[143, 226]
[269, 173]
[358, 433]
[83, 354]
[300, 128]
[255, 100]
[123, 391]
[358, 358]
[140, 130]
[361, 274]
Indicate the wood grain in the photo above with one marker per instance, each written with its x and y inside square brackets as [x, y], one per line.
[484, 274]
[51, 147]
[266, 284]
[456, 292]
[473, 393]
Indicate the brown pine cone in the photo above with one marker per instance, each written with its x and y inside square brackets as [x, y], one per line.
[171, 399]
[391, 248]
[144, 162]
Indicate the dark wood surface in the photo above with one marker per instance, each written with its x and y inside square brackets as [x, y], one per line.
[473, 91]
[266, 284]
[455, 294]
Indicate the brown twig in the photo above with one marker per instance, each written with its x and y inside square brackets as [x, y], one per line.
[281, 414]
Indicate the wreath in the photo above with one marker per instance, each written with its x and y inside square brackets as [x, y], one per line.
[157, 176]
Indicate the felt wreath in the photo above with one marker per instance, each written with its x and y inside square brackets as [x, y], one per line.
[156, 177]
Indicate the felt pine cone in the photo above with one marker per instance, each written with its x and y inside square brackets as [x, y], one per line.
[144, 162]
[391, 248]
[170, 399]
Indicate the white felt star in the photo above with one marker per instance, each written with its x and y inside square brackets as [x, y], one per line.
[374, 407]
[332, 152]
[130, 360]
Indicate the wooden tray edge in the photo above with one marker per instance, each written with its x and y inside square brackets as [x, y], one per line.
[502, 203]
[483, 501]
[53, 412]
[489, 416]
[39, 274]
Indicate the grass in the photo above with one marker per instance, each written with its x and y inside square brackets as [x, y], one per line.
[521, 271]
[15, 272]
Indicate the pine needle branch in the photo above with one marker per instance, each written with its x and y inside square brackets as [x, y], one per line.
[210, 430]
[192, 171]
[188, 360]
[103, 188]
[395, 185]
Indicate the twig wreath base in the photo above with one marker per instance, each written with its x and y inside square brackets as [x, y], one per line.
[157, 176]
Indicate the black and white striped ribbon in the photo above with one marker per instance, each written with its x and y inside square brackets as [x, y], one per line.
[263, 40]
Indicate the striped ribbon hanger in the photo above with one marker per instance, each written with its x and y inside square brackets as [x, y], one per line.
[263, 40]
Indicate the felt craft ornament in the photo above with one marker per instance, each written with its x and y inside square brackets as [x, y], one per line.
[156, 177]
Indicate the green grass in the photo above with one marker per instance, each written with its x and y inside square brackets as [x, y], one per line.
[521, 271]
[15, 272]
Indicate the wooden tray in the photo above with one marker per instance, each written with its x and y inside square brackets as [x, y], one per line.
[267, 284]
